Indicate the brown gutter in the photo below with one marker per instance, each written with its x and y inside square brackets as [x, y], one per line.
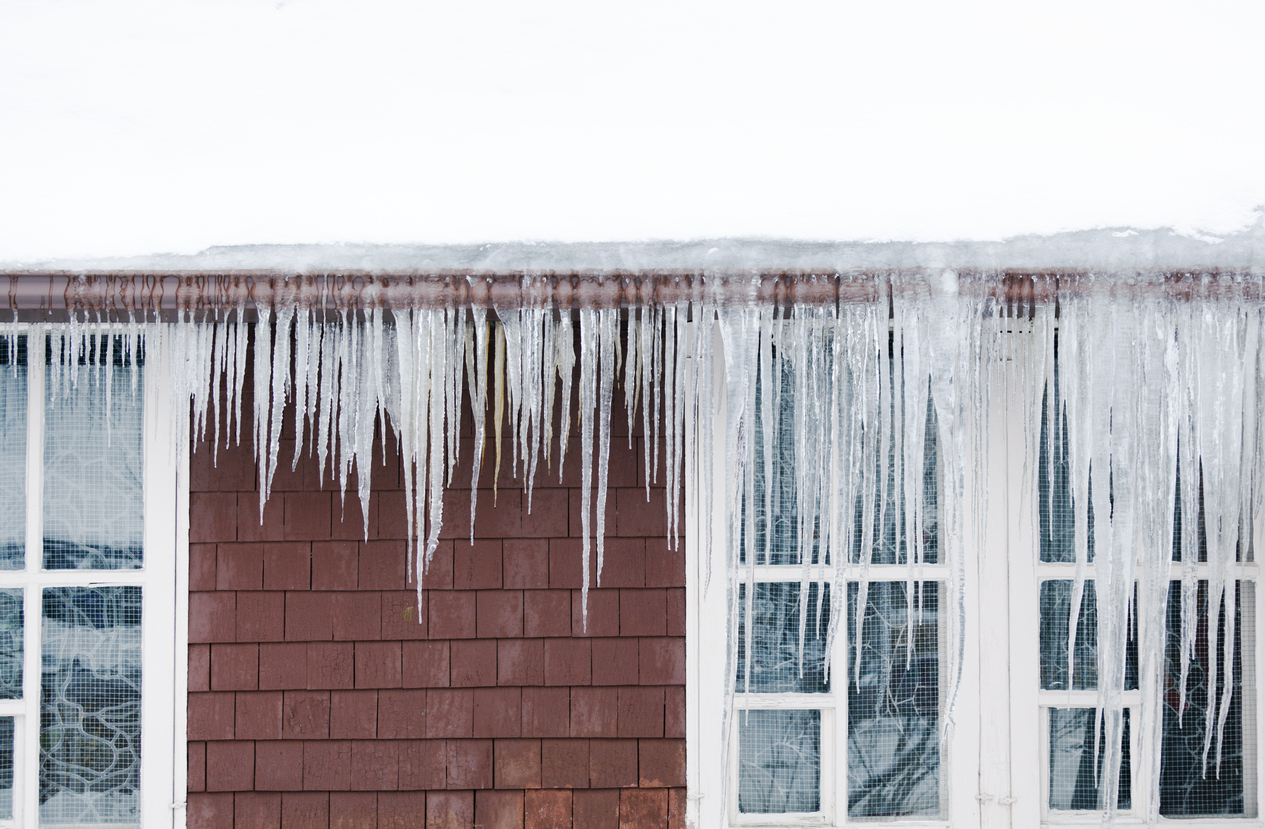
[52, 295]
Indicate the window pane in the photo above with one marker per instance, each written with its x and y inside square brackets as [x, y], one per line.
[778, 663]
[779, 761]
[1186, 787]
[781, 513]
[93, 516]
[11, 645]
[90, 706]
[6, 768]
[1056, 611]
[894, 704]
[1074, 774]
[12, 453]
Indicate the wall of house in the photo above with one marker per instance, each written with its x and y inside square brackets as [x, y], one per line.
[319, 697]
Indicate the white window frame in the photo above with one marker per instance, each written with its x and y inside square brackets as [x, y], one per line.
[164, 581]
[707, 610]
[1005, 786]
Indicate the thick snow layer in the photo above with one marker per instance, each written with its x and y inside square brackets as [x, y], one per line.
[135, 126]
[1119, 250]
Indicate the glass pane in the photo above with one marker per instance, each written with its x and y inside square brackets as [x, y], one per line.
[779, 664]
[1054, 485]
[6, 768]
[891, 541]
[779, 761]
[781, 512]
[93, 516]
[894, 703]
[1188, 787]
[12, 453]
[1074, 774]
[1056, 610]
[90, 707]
[12, 623]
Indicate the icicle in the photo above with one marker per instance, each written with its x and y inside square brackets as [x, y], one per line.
[498, 410]
[280, 391]
[406, 428]
[263, 387]
[479, 401]
[589, 352]
[645, 369]
[302, 345]
[632, 355]
[441, 336]
[564, 360]
[608, 336]
[678, 425]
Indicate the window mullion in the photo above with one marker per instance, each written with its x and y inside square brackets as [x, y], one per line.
[34, 449]
[26, 755]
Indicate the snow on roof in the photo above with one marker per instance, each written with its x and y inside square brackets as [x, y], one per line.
[1107, 250]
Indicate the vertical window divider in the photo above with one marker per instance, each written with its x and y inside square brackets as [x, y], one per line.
[25, 760]
[1019, 546]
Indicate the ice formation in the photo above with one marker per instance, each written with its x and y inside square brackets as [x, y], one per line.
[1156, 376]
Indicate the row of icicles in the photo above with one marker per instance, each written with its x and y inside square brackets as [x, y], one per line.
[1145, 388]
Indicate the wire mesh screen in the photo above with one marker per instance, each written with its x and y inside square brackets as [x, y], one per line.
[6, 768]
[90, 706]
[781, 661]
[776, 502]
[12, 453]
[93, 459]
[894, 703]
[1076, 756]
[890, 524]
[11, 643]
[1200, 774]
[1056, 611]
[779, 761]
[1195, 777]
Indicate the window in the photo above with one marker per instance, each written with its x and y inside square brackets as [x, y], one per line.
[92, 593]
[851, 734]
[1071, 735]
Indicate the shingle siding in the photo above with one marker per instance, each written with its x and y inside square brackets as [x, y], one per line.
[319, 696]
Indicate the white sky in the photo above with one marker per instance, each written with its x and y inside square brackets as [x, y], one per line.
[147, 126]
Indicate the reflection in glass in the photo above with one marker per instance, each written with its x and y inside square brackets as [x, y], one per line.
[93, 515]
[894, 704]
[6, 768]
[12, 453]
[779, 761]
[90, 706]
[1074, 772]
[1187, 787]
[776, 664]
[12, 624]
[1056, 610]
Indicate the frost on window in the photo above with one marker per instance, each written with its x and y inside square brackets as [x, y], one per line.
[894, 704]
[1075, 765]
[12, 453]
[779, 761]
[778, 664]
[93, 460]
[90, 706]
